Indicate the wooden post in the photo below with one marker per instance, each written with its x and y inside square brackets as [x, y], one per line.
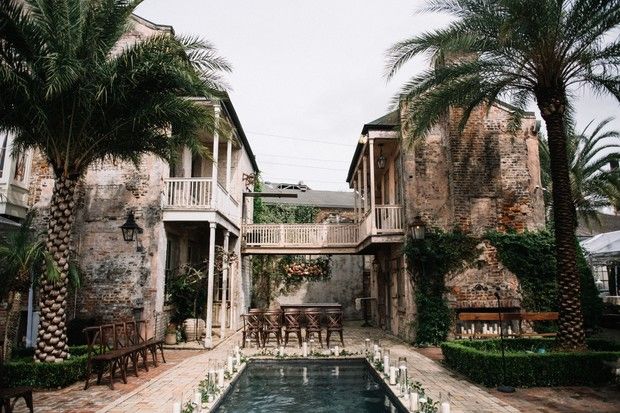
[225, 268]
[365, 184]
[216, 144]
[209, 334]
[360, 194]
[228, 164]
[372, 184]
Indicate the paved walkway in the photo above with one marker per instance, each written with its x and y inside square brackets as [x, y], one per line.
[157, 390]
[158, 394]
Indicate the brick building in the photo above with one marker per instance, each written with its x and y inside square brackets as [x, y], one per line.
[482, 178]
[186, 210]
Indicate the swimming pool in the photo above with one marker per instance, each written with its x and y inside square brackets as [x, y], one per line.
[308, 386]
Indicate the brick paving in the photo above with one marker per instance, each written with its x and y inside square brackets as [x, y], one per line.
[155, 391]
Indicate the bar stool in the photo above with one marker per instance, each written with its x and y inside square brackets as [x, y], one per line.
[272, 324]
[334, 324]
[292, 324]
[313, 323]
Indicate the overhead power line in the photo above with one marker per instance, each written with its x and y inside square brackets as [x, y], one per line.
[301, 157]
[301, 139]
[304, 166]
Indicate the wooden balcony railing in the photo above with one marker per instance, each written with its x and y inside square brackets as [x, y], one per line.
[387, 219]
[301, 235]
[187, 193]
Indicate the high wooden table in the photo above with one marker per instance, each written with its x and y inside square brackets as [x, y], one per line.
[304, 306]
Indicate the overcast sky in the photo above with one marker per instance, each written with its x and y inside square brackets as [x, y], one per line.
[308, 74]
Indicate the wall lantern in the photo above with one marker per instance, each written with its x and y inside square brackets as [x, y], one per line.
[130, 228]
[381, 160]
[418, 229]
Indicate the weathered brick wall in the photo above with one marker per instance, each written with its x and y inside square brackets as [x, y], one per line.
[119, 282]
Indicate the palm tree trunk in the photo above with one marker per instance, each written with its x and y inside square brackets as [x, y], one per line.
[571, 334]
[52, 338]
[12, 324]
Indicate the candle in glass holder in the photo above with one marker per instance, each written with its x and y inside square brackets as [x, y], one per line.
[414, 399]
[337, 351]
[376, 356]
[197, 398]
[304, 349]
[386, 361]
[281, 351]
[367, 346]
[445, 404]
[311, 346]
[229, 363]
[220, 377]
[375, 346]
[392, 375]
[238, 358]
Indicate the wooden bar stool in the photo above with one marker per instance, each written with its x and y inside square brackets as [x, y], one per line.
[334, 324]
[292, 324]
[272, 324]
[313, 323]
[252, 327]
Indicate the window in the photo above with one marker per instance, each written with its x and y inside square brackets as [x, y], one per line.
[606, 279]
[20, 167]
[397, 270]
[3, 153]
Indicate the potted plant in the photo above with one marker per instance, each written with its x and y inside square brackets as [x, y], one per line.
[171, 334]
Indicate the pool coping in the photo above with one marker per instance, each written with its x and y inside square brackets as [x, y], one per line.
[394, 398]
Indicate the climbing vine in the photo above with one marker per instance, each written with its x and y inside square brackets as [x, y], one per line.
[531, 257]
[277, 275]
[431, 259]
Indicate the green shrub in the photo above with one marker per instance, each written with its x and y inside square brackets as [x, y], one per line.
[481, 362]
[23, 371]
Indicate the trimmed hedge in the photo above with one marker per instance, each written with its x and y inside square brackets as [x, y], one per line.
[481, 361]
[24, 371]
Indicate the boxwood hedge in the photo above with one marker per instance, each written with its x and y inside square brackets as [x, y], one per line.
[23, 371]
[527, 365]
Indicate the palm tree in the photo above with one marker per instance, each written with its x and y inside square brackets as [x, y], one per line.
[594, 184]
[20, 253]
[71, 93]
[519, 50]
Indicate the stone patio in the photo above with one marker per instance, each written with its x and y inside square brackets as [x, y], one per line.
[156, 390]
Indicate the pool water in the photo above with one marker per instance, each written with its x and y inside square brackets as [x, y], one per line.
[308, 386]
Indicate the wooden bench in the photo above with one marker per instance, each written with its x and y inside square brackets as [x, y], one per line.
[495, 317]
[10, 396]
[112, 346]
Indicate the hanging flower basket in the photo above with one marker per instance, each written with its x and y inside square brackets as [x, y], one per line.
[296, 266]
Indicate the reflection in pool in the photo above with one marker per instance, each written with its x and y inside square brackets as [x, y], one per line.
[308, 386]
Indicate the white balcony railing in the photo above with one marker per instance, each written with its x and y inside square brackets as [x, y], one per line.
[301, 235]
[388, 218]
[187, 193]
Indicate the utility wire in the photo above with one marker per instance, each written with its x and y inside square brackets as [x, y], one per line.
[305, 166]
[301, 139]
[302, 158]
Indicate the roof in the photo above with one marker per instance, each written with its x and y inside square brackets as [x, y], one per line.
[6, 224]
[244, 139]
[608, 223]
[309, 197]
[606, 243]
[389, 121]
[151, 25]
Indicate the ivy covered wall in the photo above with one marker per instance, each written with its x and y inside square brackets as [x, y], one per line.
[529, 255]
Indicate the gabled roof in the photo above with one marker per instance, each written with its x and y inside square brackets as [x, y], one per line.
[310, 197]
[606, 243]
[389, 121]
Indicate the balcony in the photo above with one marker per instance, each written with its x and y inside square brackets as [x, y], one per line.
[185, 199]
[324, 238]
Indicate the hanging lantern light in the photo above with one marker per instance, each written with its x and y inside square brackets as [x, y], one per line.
[418, 229]
[130, 228]
[381, 160]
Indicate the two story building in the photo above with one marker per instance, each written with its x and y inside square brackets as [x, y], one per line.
[186, 211]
